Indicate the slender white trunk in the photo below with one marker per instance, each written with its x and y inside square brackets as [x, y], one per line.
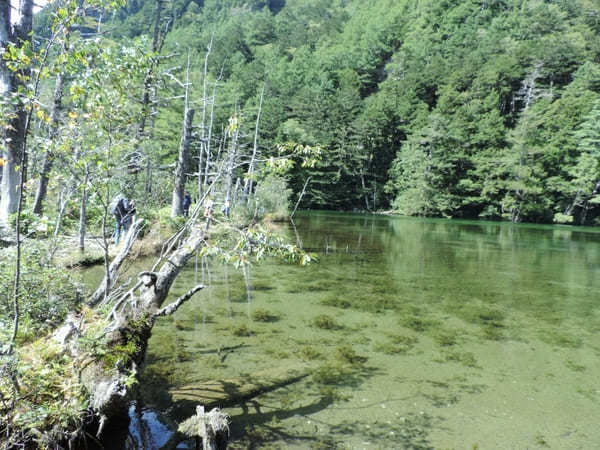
[250, 175]
[15, 135]
[184, 148]
[230, 166]
[82, 210]
[209, 138]
[42, 188]
[203, 157]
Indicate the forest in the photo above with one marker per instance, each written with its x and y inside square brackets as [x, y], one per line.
[478, 109]
[473, 109]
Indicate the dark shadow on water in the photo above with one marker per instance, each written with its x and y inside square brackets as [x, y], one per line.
[254, 428]
[410, 432]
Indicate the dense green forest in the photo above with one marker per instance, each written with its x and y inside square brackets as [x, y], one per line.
[471, 108]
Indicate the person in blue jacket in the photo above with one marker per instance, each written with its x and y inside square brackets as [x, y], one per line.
[122, 209]
[187, 201]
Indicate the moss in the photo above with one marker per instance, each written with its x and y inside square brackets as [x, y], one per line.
[127, 346]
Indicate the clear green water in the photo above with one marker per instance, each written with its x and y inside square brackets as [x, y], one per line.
[415, 333]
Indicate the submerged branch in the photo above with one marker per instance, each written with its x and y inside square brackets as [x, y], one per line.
[172, 307]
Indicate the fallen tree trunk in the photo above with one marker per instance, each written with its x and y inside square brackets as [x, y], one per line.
[109, 378]
[133, 314]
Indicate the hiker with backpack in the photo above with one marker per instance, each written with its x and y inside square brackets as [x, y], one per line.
[123, 209]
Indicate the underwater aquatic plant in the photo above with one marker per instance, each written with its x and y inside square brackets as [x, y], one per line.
[325, 322]
[262, 315]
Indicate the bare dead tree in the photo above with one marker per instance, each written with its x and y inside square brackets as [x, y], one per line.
[184, 150]
[249, 176]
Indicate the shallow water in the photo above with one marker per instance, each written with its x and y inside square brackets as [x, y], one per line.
[414, 334]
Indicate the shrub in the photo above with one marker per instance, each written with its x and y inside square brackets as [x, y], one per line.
[47, 293]
[31, 223]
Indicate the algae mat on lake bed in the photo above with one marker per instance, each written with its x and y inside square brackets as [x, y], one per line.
[413, 333]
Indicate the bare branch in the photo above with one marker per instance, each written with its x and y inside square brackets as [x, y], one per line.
[172, 307]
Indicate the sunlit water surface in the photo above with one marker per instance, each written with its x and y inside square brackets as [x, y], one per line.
[412, 333]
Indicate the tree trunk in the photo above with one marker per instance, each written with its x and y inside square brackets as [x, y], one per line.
[181, 169]
[203, 148]
[250, 175]
[40, 194]
[364, 187]
[157, 41]
[230, 167]
[134, 316]
[209, 138]
[10, 82]
[184, 150]
[82, 210]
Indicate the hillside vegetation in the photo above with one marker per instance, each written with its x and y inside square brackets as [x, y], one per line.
[472, 108]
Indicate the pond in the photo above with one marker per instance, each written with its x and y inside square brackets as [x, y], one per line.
[406, 333]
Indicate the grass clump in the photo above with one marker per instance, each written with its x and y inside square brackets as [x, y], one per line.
[445, 338]
[320, 285]
[241, 330]
[309, 353]
[483, 315]
[397, 344]
[345, 354]
[260, 286]
[262, 315]
[574, 366]
[277, 353]
[560, 339]
[182, 325]
[418, 324]
[329, 374]
[492, 333]
[465, 358]
[325, 322]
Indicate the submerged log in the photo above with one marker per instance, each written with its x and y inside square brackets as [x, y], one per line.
[235, 390]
